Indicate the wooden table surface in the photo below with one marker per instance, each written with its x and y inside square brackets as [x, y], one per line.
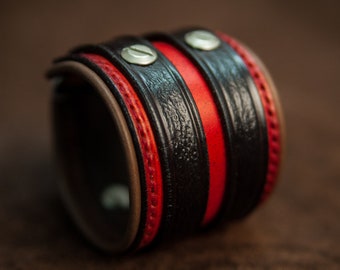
[300, 43]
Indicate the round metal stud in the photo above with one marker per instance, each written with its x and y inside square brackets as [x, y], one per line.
[139, 54]
[202, 40]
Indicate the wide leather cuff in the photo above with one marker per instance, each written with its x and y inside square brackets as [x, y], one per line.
[162, 135]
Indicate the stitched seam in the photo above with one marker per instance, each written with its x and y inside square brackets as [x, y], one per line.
[271, 118]
[144, 135]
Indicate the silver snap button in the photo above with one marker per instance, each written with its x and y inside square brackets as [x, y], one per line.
[139, 54]
[202, 40]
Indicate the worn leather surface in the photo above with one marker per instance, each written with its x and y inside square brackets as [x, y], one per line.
[297, 228]
[179, 133]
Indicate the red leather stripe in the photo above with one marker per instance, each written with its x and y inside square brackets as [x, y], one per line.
[211, 124]
[152, 167]
[273, 124]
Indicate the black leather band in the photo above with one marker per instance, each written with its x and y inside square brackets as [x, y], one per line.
[243, 120]
[178, 130]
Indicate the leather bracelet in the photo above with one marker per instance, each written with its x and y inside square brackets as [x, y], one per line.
[163, 135]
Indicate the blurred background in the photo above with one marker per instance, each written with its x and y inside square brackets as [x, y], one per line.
[299, 42]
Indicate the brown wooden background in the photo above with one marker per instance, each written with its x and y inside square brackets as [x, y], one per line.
[298, 40]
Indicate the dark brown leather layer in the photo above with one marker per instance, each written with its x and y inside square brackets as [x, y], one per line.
[96, 151]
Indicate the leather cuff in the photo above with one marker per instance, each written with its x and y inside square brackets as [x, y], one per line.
[162, 135]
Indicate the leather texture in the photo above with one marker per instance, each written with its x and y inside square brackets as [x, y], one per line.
[271, 113]
[211, 123]
[179, 134]
[243, 120]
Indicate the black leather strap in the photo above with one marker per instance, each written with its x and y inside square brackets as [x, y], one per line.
[243, 120]
[178, 130]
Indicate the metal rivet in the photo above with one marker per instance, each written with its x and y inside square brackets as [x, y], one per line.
[202, 40]
[115, 196]
[139, 54]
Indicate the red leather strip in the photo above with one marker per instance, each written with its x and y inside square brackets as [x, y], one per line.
[152, 167]
[271, 113]
[211, 124]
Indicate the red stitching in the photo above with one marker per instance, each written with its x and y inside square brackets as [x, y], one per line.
[153, 197]
[273, 128]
